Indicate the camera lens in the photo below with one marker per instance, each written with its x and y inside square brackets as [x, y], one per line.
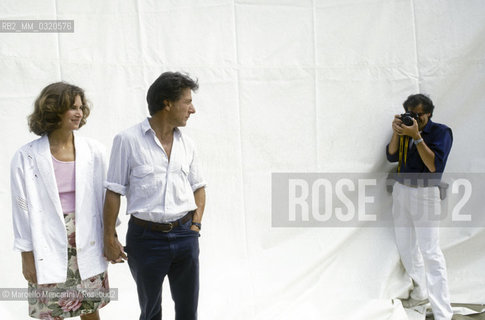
[407, 120]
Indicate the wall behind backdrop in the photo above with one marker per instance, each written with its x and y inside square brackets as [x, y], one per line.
[285, 86]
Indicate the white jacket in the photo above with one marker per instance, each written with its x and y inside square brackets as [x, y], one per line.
[38, 219]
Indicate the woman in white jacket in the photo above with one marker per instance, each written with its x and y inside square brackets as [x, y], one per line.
[57, 199]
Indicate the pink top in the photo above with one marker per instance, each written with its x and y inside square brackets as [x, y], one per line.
[66, 183]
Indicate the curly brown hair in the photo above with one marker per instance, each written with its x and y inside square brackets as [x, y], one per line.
[53, 101]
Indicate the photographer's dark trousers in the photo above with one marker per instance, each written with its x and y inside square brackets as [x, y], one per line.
[416, 212]
[154, 254]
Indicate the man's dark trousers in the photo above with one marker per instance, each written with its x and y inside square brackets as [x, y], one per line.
[154, 254]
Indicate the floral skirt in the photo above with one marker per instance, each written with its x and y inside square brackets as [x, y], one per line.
[73, 298]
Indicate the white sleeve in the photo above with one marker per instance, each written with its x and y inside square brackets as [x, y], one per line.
[118, 171]
[20, 205]
[100, 168]
[195, 176]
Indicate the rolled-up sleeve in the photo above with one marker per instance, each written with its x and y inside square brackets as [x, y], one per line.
[20, 206]
[195, 176]
[441, 147]
[391, 157]
[118, 172]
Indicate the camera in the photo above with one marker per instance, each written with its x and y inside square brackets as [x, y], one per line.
[407, 118]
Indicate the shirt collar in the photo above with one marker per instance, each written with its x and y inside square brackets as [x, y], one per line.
[145, 127]
[427, 127]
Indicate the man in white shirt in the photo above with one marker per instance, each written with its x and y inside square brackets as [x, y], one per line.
[156, 167]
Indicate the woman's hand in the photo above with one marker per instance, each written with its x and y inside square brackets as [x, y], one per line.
[28, 267]
[113, 250]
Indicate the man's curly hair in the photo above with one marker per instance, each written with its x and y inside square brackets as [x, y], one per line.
[168, 86]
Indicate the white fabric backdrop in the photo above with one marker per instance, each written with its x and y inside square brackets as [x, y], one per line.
[285, 86]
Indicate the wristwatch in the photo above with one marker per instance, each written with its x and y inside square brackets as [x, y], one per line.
[197, 224]
[416, 142]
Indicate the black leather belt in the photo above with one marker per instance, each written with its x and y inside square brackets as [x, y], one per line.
[412, 185]
[162, 227]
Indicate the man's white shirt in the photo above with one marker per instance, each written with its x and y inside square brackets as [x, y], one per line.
[157, 189]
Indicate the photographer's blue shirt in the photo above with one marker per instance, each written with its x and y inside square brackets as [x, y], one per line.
[439, 138]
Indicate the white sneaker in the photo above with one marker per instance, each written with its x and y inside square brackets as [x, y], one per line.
[411, 303]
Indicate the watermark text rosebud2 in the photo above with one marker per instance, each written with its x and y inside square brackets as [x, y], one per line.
[322, 193]
[365, 199]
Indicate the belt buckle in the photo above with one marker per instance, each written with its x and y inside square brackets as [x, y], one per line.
[170, 229]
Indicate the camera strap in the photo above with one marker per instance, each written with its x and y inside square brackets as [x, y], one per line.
[403, 151]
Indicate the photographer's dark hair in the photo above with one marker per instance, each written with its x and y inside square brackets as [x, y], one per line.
[168, 86]
[53, 101]
[419, 99]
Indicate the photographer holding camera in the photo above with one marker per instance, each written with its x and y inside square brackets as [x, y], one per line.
[421, 148]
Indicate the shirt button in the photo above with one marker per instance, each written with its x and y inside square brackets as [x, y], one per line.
[92, 243]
